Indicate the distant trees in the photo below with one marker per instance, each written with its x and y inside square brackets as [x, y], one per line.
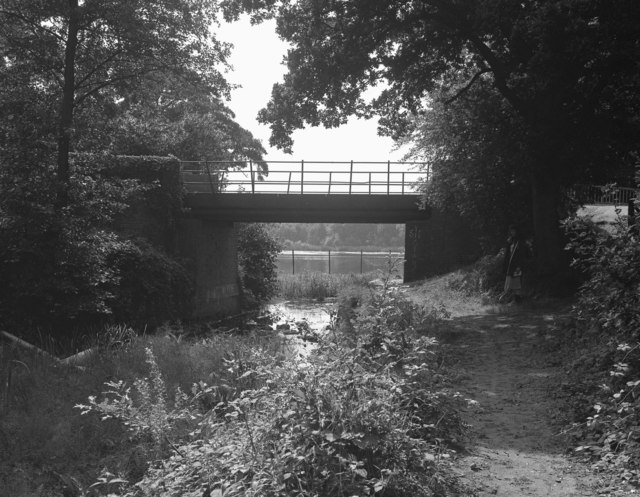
[566, 69]
[339, 236]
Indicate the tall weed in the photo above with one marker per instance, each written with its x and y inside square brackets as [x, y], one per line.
[314, 285]
[364, 413]
[607, 332]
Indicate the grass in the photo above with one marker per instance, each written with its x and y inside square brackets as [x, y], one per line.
[314, 285]
[247, 414]
[40, 428]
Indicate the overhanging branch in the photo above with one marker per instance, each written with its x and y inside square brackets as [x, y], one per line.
[466, 87]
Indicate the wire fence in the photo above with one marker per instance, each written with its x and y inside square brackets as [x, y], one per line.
[336, 262]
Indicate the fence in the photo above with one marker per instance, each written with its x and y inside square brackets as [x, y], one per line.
[602, 195]
[334, 262]
[304, 177]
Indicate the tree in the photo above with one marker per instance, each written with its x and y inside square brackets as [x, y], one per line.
[105, 77]
[567, 68]
[162, 117]
[86, 50]
[477, 161]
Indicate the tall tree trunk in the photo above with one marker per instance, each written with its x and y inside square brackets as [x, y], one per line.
[67, 106]
[551, 258]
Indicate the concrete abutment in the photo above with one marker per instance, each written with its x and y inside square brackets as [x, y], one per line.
[212, 252]
[438, 245]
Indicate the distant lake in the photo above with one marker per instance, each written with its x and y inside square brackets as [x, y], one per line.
[342, 262]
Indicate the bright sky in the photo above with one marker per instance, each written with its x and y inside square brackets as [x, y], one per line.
[257, 61]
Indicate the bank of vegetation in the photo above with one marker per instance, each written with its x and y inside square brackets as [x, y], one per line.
[604, 347]
[368, 411]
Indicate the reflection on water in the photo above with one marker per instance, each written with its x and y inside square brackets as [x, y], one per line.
[293, 318]
[316, 314]
[299, 261]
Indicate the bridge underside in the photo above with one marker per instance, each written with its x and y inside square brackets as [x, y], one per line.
[282, 208]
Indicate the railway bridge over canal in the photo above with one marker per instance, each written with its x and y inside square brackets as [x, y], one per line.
[219, 194]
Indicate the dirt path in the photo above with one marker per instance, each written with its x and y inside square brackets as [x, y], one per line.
[515, 449]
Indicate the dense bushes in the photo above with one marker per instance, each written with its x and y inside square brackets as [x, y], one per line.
[366, 412]
[67, 267]
[607, 372]
[610, 258]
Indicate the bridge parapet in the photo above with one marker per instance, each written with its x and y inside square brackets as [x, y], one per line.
[304, 177]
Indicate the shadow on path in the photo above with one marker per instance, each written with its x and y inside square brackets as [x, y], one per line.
[515, 449]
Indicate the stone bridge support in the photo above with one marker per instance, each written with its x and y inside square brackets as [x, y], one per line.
[206, 247]
[211, 250]
[438, 245]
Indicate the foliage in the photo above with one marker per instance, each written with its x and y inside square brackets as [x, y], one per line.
[163, 117]
[69, 268]
[484, 276]
[152, 286]
[39, 427]
[608, 321]
[563, 68]
[476, 162]
[149, 415]
[81, 83]
[85, 53]
[610, 259]
[257, 255]
[363, 416]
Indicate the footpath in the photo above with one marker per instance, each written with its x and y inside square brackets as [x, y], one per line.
[507, 364]
[515, 446]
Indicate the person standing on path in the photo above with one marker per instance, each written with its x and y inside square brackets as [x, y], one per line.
[514, 259]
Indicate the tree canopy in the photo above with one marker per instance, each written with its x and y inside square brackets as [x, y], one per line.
[106, 78]
[92, 53]
[566, 68]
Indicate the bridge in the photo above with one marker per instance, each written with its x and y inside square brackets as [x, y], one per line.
[305, 192]
[200, 227]
[219, 194]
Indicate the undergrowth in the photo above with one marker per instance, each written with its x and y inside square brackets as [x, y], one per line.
[42, 435]
[605, 371]
[367, 412]
[485, 276]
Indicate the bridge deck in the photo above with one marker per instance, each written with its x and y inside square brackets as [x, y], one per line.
[283, 208]
[337, 192]
[342, 192]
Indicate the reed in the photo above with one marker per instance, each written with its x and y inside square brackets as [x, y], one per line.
[314, 285]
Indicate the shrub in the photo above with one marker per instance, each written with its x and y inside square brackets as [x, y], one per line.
[152, 286]
[610, 260]
[257, 255]
[68, 267]
[484, 276]
[608, 318]
[362, 414]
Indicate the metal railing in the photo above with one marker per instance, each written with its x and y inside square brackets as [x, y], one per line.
[304, 177]
[603, 195]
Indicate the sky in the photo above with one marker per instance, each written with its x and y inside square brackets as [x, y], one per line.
[257, 61]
